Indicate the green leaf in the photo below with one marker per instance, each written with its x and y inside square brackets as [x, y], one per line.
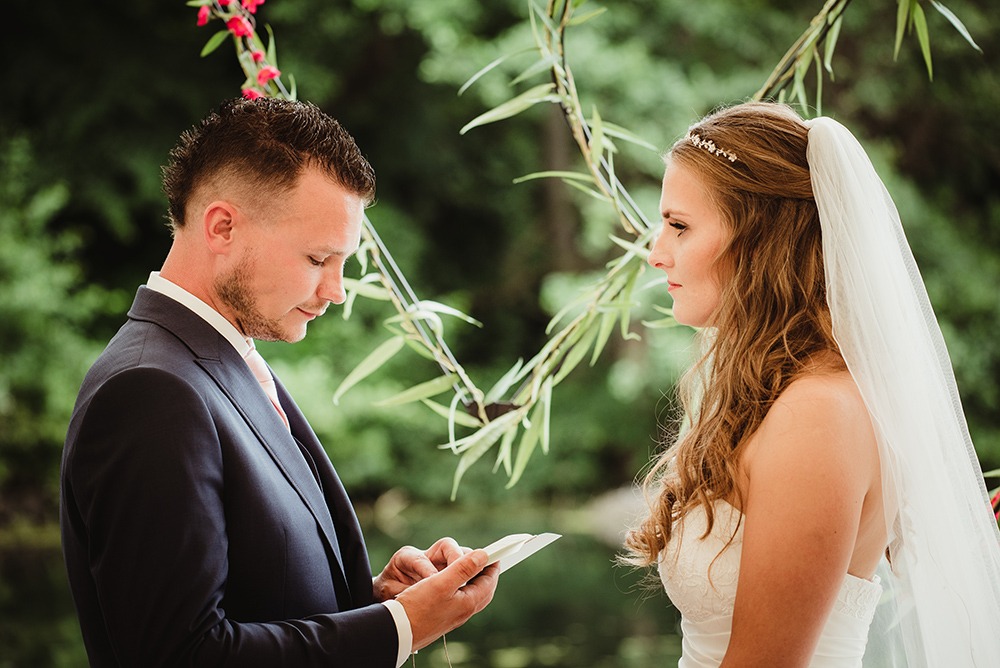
[831, 44]
[920, 23]
[496, 392]
[459, 417]
[545, 18]
[664, 323]
[430, 388]
[493, 65]
[491, 432]
[596, 136]
[575, 354]
[545, 402]
[514, 106]
[631, 247]
[543, 65]
[272, 53]
[798, 85]
[626, 301]
[955, 21]
[669, 312]
[819, 83]
[504, 452]
[608, 320]
[577, 176]
[438, 307]
[368, 286]
[470, 457]
[902, 16]
[590, 191]
[369, 365]
[619, 132]
[419, 347]
[526, 447]
[198, 3]
[425, 316]
[214, 42]
[583, 18]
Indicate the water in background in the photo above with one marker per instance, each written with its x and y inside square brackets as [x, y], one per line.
[567, 606]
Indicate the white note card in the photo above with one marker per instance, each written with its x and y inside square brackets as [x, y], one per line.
[517, 547]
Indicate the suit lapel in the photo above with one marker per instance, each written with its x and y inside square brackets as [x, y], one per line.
[235, 379]
[350, 538]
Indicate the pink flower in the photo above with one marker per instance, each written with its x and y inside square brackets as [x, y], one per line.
[225, 3]
[252, 93]
[995, 501]
[267, 73]
[239, 26]
[251, 5]
[257, 56]
[203, 13]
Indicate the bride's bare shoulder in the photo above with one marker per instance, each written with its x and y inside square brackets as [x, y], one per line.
[820, 417]
[832, 392]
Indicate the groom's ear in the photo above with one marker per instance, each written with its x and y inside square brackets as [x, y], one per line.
[222, 226]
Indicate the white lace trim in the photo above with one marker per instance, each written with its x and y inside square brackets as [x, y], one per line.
[858, 597]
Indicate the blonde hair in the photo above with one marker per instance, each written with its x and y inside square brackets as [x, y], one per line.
[772, 318]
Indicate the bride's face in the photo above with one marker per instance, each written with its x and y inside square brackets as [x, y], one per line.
[689, 245]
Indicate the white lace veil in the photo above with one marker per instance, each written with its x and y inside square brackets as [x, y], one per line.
[942, 602]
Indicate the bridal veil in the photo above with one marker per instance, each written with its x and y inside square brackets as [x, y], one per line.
[942, 602]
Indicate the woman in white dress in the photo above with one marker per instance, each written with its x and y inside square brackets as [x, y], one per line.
[823, 464]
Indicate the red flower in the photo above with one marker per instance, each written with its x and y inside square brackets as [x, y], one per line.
[257, 56]
[239, 26]
[252, 93]
[995, 501]
[267, 73]
[251, 5]
[203, 13]
[225, 3]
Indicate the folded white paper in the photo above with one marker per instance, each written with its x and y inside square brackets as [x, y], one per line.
[517, 547]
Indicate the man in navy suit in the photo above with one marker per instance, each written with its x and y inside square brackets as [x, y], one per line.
[202, 521]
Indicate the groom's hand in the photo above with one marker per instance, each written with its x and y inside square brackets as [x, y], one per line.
[410, 565]
[447, 599]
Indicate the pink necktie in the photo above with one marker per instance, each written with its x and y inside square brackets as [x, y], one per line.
[266, 380]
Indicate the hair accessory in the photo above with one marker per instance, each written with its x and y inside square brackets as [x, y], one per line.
[710, 146]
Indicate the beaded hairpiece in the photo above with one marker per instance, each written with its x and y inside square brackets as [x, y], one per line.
[710, 146]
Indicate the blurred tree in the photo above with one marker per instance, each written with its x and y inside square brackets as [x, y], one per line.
[463, 233]
[46, 314]
[96, 95]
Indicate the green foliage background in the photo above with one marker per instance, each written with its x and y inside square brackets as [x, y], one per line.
[94, 99]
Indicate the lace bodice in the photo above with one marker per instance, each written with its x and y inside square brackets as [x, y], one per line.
[701, 577]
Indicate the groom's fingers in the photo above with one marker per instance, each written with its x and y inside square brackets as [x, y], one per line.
[465, 568]
[412, 565]
[444, 552]
[446, 600]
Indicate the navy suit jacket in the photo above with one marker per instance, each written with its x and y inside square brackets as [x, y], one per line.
[196, 529]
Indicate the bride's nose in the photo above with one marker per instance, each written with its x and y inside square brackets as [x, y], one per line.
[660, 256]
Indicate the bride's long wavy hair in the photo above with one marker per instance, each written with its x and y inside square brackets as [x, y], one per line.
[772, 318]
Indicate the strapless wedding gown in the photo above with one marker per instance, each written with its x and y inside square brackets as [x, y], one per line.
[706, 607]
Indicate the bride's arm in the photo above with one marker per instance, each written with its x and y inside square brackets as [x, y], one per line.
[808, 471]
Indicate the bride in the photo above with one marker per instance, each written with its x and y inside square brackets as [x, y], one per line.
[822, 505]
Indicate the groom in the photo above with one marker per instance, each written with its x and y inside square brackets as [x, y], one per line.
[202, 521]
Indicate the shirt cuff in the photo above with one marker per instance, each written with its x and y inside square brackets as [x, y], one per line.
[403, 629]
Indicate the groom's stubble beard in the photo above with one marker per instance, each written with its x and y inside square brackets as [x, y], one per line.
[234, 289]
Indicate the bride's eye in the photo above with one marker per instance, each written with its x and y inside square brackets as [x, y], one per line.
[680, 227]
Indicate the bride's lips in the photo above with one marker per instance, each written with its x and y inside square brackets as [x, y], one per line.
[671, 286]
